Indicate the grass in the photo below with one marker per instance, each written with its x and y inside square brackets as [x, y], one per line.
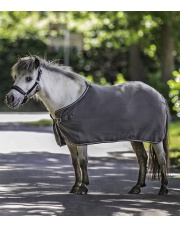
[174, 135]
[40, 123]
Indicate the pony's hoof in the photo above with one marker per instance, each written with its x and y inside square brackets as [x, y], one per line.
[135, 190]
[82, 190]
[163, 191]
[74, 189]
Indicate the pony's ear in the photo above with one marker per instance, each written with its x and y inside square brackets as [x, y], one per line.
[36, 63]
[19, 58]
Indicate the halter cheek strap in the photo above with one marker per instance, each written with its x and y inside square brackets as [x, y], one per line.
[36, 85]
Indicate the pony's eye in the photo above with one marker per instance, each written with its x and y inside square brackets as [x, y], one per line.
[28, 79]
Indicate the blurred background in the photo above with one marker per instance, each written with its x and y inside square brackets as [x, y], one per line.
[105, 47]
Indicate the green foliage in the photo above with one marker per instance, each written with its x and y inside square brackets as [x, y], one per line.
[174, 94]
[154, 80]
[22, 25]
[120, 79]
[174, 142]
[108, 37]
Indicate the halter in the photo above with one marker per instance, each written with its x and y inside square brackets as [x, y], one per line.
[31, 89]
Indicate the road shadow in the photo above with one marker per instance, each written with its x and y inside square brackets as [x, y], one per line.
[38, 183]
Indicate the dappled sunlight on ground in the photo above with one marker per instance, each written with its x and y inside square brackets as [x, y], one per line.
[36, 176]
[38, 183]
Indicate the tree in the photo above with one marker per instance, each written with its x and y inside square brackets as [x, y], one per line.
[137, 45]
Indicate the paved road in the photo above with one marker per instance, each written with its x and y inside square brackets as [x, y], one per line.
[36, 176]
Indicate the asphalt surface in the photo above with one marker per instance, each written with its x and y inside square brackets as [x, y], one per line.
[36, 177]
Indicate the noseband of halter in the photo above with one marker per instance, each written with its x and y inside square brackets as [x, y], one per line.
[36, 85]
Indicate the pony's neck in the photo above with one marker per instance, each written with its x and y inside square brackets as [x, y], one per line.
[58, 91]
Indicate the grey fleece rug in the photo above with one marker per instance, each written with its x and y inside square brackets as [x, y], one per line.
[132, 111]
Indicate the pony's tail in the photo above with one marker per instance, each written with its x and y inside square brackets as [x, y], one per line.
[154, 167]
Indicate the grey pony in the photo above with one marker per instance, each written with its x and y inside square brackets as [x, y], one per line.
[85, 113]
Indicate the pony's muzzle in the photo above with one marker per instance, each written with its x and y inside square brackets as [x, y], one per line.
[10, 99]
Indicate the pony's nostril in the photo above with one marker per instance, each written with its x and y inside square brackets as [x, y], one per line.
[10, 98]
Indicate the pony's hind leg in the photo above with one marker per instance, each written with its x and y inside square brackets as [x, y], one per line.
[141, 154]
[75, 162]
[82, 153]
[162, 161]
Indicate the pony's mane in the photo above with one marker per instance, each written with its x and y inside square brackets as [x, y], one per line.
[27, 65]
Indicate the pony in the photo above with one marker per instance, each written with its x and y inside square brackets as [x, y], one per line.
[59, 87]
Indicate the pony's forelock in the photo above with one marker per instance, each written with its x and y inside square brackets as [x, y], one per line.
[25, 64]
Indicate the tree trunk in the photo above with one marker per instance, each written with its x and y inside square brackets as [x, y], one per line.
[167, 59]
[136, 68]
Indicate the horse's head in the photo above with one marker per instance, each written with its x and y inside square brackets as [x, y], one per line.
[26, 74]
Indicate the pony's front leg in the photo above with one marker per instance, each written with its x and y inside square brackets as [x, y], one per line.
[83, 159]
[75, 162]
[140, 151]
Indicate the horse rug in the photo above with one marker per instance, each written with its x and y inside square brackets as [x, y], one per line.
[132, 111]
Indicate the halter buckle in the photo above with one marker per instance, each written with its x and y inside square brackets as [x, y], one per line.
[24, 100]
